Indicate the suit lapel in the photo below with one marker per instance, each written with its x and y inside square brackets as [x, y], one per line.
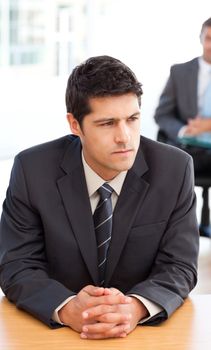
[73, 189]
[131, 198]
[75, 197]
[192, 86]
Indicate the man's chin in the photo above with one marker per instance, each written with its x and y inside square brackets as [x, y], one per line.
[123, 166]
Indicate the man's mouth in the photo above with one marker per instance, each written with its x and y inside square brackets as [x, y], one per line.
[122, 151]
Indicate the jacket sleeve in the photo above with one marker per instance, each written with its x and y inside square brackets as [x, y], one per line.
[167, 114]
[23, 265]
[174, 272]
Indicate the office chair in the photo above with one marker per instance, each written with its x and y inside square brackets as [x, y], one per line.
[203, 181]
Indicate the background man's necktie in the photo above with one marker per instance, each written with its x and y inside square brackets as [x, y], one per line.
[103, 226]
[206, 108]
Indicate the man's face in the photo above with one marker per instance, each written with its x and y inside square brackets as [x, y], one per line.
[110, 134]
[206, 43]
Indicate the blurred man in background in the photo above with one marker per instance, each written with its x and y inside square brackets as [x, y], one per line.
[184, 111]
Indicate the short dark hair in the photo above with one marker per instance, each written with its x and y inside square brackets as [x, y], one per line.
[98, 77]
[207, 23]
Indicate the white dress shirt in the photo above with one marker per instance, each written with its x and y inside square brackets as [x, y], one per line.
[93, 182]
[203, 81]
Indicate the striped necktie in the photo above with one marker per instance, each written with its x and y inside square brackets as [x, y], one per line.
[103, 226]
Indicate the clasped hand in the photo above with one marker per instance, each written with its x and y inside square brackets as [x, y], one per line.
[99, 313]
[197, 126]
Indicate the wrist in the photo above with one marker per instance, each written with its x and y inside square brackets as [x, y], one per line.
[139, 308]
[65, 313]
[182, 131]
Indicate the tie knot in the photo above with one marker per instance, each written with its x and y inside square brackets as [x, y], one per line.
[105, 191]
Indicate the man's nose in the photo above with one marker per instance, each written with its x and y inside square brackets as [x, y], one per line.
[122, 134]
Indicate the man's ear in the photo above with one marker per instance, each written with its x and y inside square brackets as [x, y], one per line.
[74, 124]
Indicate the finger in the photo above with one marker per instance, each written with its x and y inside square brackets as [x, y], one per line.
[105, 300]
[93, 290]
[97, 328]
[187, 131]
[106, 313]
[115, 291]
[108, 291]
[114, 332]
[112, 291]
[102, 336]
[113, 299]
[118, 318]
[94, 312]
[191, 131]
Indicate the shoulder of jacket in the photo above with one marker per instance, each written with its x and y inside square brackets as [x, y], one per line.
[53, 145]
[185, 65]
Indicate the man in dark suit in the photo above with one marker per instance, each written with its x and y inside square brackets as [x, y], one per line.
[180, 113]
[49, 250]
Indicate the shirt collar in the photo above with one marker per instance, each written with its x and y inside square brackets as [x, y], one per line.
[94, 181]
[203, 65]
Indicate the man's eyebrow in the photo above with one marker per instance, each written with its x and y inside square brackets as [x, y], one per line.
[101, 120]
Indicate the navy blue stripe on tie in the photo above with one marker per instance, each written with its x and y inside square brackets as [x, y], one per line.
[103, 227]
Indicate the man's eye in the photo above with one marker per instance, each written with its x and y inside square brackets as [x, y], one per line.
[107, 123]
[132, 119]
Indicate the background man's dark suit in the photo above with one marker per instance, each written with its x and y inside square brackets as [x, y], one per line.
[47, 241]
[178, 101]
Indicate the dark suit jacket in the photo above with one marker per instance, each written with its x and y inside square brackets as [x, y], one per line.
[47, 238]
[178, 101]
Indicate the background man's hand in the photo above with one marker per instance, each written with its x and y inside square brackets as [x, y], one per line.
[99, 313]
[197, 126]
